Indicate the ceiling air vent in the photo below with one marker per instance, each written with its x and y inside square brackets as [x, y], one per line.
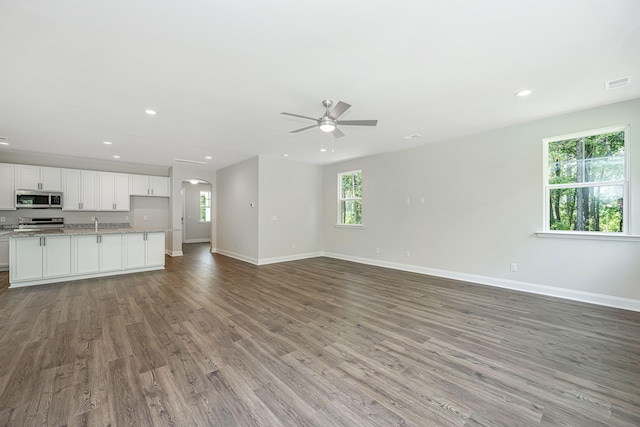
[616, 83]
[189, 162]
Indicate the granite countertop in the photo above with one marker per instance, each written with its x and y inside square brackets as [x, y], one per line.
[83, 231]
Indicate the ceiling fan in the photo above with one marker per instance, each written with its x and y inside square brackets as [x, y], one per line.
[329, 121]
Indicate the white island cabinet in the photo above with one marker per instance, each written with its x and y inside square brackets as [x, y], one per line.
[82, 254]
[35, 258]
[144, 250]
[97, 252]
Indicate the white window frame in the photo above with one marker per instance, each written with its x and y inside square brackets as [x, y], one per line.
[626, 224]
[339, 222]
[206, 206]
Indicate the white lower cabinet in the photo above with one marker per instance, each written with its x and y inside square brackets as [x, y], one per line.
[4, 253]
[34, 258]
[97, 253]
[40, 260]
[143, 250]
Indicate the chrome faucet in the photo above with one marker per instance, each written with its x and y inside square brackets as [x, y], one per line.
[95, 223]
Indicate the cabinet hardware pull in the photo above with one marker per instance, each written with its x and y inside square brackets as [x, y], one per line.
[44, 241]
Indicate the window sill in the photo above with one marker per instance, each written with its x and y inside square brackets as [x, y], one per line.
[588, 236]
[204, 222]
[349, 226]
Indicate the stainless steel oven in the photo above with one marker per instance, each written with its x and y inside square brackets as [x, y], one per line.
[28, 199]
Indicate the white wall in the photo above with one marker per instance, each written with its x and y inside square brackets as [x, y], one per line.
[290, 210]
[483, 204]
[195, 230]
[237, 225]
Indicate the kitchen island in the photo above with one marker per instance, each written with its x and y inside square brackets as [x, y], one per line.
[40, 257]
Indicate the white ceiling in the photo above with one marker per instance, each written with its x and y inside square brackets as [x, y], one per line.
[74, 73]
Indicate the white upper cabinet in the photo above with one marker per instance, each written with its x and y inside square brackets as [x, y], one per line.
[79, 190]
[114, 192]
[38, 178]
[7, 187]
[144, 185]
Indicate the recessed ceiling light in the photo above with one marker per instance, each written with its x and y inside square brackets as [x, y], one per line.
[525, 92]
[116, 157]
[323, 150]
[150, 112]
[194, 181]
[107, 142]
[285, 155]
[208, 157]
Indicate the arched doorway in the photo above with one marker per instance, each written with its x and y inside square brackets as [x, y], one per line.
[197, 210]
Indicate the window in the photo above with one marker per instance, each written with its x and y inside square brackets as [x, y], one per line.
[350, 198]
[586, 183]
[205, 206]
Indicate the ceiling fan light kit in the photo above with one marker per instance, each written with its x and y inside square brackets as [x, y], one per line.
[329, 121]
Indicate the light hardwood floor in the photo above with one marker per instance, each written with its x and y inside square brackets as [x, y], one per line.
[213, 341]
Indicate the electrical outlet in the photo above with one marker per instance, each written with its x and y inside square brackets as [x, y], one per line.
[144, 217]
[513, 266]
[422, 200]
[377, 250]
[274, 218]
[3, 219]
[408, 201]
[408, 254]
[93, 218]
[293, 245]
[126, 217]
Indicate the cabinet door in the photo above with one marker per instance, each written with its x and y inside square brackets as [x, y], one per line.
[89, 197]
[71, 190]
[159, 186]
[4, 252]
[86, 253]
[155, 249]
[134, 248]
[122, 198]
[56, 258]
[26, 258]
[110, 252]
[139, 185]
[51, 179]
[7, 187]
[107, 191]
[27, 177]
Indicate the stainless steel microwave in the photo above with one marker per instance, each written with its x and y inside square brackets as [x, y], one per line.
[28, 199]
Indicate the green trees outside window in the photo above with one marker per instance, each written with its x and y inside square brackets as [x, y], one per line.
[350, 198]
[586, 181]
[205, 206]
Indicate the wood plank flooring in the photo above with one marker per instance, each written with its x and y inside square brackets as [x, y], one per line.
[212, 341]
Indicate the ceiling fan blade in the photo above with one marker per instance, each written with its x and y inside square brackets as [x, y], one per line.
[302, 117]
[305, 128]
[337, 133]
[358, 122]
[339, 109]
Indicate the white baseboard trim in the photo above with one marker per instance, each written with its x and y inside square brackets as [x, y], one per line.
[296, 257]
[173, 253]
[237, 256]
[588, 297]
[206, 240]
